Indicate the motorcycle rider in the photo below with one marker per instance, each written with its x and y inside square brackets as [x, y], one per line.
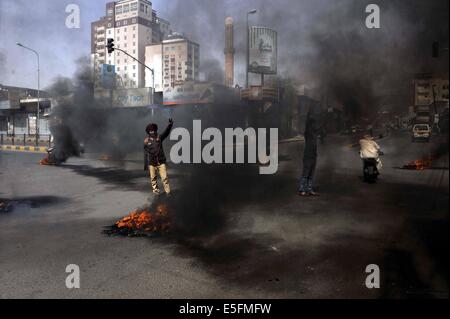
[370, 150]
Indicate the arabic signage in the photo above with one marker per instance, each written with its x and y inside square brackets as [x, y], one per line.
[263, 50]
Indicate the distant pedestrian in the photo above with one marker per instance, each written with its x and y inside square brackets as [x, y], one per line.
[309, 157]
[154, 158]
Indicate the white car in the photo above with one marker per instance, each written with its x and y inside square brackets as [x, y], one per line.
[421, 132]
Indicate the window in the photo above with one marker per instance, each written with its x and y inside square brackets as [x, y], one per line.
[110, 12]
[125, 23]
[125, 67]
[118, 61]
[133, 21]
[125, 45]
[134, 35]
[134, 28]
[134, 75]
[118, 68]
[142, 7]
[118, 38]
[133, 6]
[118, 24]
[118, 30]
[126, 8]
[118, 9]
[134, 43]
[134, 51]
[109, 26]
[125, 37]
[134, 67]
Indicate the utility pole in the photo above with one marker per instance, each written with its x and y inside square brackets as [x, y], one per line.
[38, 88]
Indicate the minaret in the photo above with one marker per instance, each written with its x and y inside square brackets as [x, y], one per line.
[229, 52]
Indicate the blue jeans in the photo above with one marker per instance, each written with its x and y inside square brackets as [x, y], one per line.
[306, 180]
[306, 185]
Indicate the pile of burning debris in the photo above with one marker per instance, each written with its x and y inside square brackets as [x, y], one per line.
[419, 165]
[5, 206]
[52, 159]
[142, 222]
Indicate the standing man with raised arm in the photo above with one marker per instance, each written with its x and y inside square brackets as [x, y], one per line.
[154, 158]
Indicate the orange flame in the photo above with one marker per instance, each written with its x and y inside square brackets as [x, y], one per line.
[45, 161]
[144, 220]
[105, 157]
[419, 165]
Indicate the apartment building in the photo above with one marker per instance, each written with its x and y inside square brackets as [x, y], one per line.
[427, 89]
[174, 61]
[133, 25]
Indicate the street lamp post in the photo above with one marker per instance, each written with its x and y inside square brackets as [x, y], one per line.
[38, 88]
[248, 48]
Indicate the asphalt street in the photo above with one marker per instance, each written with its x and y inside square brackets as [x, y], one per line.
[255, 238]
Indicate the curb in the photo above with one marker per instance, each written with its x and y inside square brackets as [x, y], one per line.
[27, 149]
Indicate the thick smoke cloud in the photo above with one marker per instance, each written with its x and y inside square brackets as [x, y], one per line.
[92, 121]
[326, 45]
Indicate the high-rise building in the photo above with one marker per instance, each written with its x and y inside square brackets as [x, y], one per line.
[174, 61]
[229, 52]
[133, 25]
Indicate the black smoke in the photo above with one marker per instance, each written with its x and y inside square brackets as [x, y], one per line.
[79, 118]
[327, 46]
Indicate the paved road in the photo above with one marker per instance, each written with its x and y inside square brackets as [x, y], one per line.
[243, 235]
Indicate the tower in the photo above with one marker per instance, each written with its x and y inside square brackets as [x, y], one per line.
[229, 52]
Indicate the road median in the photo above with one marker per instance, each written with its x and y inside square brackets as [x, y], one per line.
[26, 149]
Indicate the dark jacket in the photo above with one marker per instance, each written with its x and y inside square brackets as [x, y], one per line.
[153, 149]
[310, 151]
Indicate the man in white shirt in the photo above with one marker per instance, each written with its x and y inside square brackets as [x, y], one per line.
[370, 149]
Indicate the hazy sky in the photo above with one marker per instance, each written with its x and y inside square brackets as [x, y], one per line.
[318, 40]
[40, 24]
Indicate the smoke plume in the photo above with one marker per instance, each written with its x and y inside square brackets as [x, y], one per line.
[327, 46]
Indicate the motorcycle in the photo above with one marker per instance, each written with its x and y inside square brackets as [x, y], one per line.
[370, 169]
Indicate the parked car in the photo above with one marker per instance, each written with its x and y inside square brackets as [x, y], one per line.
[421, 132]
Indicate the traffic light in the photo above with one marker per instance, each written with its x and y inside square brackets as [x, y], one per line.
[110, 45]
[435, 49]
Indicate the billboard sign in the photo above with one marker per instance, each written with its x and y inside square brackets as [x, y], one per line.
[189, 93]
[108, 73]
[142, 97]
[262, 50]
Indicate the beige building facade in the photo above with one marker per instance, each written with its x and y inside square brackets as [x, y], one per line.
[174, 61]
[133, 25]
